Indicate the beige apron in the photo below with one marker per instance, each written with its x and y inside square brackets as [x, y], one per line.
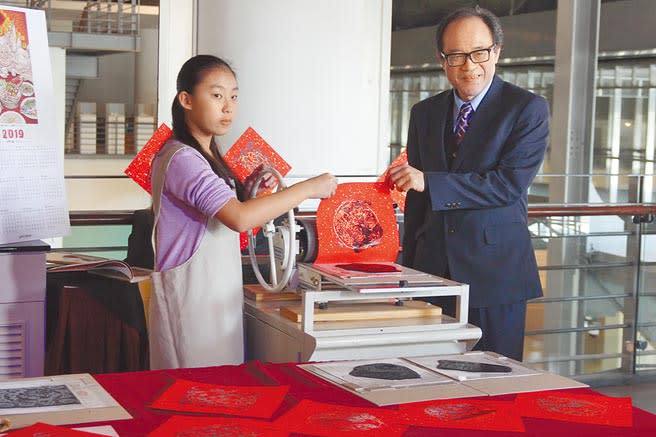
[196, 316]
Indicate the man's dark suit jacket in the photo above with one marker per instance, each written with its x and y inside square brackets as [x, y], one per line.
[472, 217]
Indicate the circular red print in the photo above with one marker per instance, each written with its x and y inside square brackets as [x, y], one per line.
[356, 225]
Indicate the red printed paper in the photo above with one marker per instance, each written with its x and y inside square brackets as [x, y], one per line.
[357, 224]
[398, 196]
[317, 418]
[194, 426]
[575, 407]
[243, 237]
[464, 414]
[139, 167]
[45, 430]
[249, 151]
[251, 401]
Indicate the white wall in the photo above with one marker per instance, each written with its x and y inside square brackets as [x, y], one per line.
[313, 77]
[115, 84]
[58, 65]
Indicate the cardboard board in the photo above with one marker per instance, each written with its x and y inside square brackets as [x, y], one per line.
[257, 293]
[104, 407]
[394, 396]
[456, 389]
[364, 311]
[523, 384]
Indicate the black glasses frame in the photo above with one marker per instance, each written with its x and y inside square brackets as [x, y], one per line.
[452, 63]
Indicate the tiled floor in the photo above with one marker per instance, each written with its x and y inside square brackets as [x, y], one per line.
[643, 395]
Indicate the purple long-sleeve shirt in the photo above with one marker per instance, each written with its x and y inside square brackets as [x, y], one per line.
[192, 193]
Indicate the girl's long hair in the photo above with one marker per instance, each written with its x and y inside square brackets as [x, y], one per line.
[189, 76]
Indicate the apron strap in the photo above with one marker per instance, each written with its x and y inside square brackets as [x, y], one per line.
[158, 188]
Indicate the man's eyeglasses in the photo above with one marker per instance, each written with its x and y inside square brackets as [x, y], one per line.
[477, 56]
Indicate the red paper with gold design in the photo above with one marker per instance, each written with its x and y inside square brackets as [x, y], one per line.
[397, 196]
[463, 414]
[186, 426]
[357, 224]
[261, 401]
[139, 168]
[317, 418]
[575, 407]
[45, 430]
[249, 151]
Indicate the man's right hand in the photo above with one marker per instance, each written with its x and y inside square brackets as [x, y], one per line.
[406, 178]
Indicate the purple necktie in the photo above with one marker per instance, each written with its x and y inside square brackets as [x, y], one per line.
[463, 121]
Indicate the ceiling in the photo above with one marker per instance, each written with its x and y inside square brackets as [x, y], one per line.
[408, 14]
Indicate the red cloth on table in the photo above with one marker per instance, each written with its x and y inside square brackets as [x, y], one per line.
[45, 430]
[215, 426]
[135, 391]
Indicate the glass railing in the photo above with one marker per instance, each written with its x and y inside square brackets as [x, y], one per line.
[597, 262]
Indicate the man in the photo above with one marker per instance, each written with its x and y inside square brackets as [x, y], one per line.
[472, 153]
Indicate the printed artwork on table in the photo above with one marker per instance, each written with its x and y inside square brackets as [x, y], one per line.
[571, 406]
[317, 418]
[362, 375]
[186, 426]
[251, 401]
[464, 414]
[357, 224]
[35, 397]
[139, 167]
[474, 365]
[45, 430]
[389, 371]
[17, 98]
[250, 151]
[398, 196]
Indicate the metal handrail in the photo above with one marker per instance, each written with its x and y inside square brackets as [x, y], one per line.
[124, 217]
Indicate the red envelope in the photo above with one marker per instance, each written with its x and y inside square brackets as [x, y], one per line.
[251, 401]
[357, 224]
[45, 430]
[317, 418]
[139, 167]
[215, 426]
[249, 151]
[398, 197]
[576, 407]
[464, 414]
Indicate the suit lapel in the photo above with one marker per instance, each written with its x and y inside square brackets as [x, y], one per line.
[480, 123]
[433, 154]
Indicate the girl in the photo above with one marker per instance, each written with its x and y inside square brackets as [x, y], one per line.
[196, 305]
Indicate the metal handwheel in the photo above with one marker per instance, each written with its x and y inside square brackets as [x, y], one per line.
[269, 229]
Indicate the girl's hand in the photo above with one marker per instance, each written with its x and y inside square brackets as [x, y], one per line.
[322, 186]
[268, 183]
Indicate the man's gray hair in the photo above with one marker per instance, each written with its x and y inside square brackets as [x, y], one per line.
[492, 21]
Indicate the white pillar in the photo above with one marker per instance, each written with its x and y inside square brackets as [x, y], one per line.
[176, 29]
[58, 66]
[313, 78]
